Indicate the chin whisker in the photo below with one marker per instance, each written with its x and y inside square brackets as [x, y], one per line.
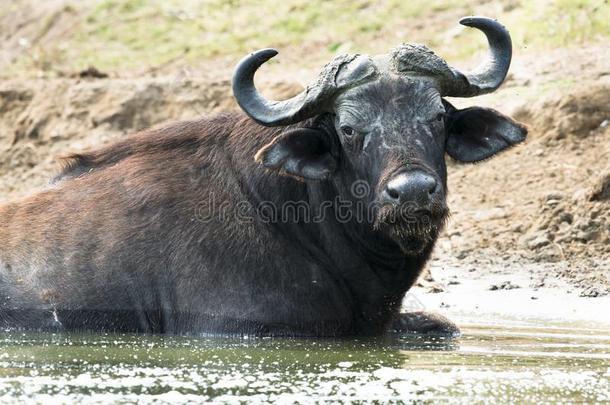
[413, 231]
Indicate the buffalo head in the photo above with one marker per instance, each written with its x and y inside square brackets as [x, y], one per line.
[383, 120]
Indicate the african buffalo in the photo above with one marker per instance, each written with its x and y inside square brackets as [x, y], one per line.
[311, 216]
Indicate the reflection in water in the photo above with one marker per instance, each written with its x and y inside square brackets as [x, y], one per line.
[492, 364]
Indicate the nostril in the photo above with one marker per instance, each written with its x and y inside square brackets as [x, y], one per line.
[433, 186]
[392, 193]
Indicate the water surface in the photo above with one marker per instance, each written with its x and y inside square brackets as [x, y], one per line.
[487, 363]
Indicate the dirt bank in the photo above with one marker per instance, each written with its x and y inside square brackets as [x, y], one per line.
[546, 201]
[42, 120]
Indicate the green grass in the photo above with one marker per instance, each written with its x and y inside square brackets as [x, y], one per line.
[565, 22]
[132, 35]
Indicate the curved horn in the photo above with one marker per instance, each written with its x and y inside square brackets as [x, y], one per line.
[488, 76]
[268, 112]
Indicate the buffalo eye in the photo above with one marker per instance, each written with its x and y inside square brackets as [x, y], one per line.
[440, 116]
[347, 130]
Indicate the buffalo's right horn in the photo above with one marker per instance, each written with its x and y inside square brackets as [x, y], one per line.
[492, 72]
[269, 112]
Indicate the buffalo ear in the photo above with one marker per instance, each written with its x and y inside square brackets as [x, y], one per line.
[477, 133]
[303, 153]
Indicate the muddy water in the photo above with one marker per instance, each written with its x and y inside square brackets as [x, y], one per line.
[493, 364]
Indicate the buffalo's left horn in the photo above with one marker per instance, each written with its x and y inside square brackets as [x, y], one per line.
[488, 76]
[269, 112]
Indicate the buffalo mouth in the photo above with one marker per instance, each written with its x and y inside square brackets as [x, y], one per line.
[412, 231]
